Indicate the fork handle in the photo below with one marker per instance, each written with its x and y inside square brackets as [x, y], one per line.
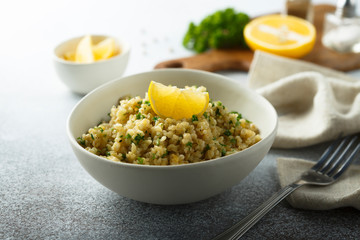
[236, 231]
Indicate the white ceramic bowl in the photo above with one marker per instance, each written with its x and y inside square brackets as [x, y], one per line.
[84, 77]
[173, 184]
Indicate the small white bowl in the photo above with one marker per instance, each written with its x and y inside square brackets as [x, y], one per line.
[173, 184]
[84, 77]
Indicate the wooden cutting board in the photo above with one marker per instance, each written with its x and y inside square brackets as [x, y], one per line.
[240, 59]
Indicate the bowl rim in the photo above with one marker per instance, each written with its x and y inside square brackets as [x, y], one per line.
[75, 144]
[125, 44]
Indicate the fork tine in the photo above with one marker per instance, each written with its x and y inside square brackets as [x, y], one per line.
[341, 169]
[324, 160]
[337, 162]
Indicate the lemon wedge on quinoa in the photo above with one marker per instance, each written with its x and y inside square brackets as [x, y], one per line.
[283, 35]
[173, 102]
[104, 49]
[84, 51]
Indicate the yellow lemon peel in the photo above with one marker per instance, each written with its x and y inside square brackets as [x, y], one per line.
[87, 52]
[280, 34]
[173, 102]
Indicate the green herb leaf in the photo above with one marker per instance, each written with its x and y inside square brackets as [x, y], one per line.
[207, 148]
[81, 141]
[138, 138]
[165, 154]
[227, 132]
[205, 114]
[222, 29]
[139, 116]
[140, 160]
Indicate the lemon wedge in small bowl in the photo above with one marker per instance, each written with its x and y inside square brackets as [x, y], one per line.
[84, 63]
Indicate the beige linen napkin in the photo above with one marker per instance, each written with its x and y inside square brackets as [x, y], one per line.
[343, 193]
[314, 104]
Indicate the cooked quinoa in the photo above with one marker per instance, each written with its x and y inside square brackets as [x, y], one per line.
[135, 134]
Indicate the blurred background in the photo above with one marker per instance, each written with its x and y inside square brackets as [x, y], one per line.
[31, 29]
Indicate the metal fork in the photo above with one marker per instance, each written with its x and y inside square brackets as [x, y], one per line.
[331, 165]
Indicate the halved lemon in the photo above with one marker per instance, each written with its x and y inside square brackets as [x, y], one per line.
[104, 49]
[283, 35]
[173, 102]
[84, 51]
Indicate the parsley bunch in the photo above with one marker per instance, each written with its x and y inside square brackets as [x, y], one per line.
[222, 29]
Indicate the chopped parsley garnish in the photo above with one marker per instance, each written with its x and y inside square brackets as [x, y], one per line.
[81, 140]
[194, 118]
[140, 160]
[189, 144]
[100, 128]
[108, 154]
[147, 103]
[205, 114]
[123, 156]
[207, 147]
[138, 138]
[165, 154]
[92, 136]
[223, 152]
[139, 104]
[128, 136]
[217, 112]
[155, 118]
[139, 116]
[239, 114]
[233, 141]
[227, 132]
